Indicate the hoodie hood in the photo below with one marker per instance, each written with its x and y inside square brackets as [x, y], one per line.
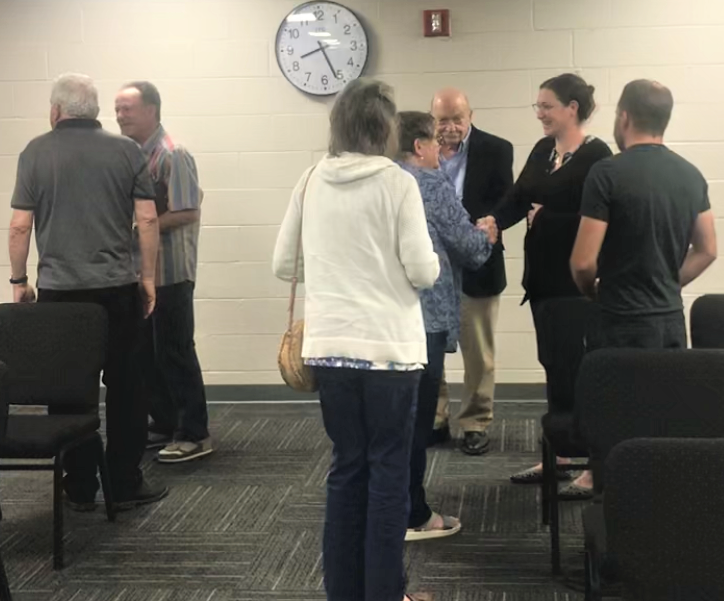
[351, 167]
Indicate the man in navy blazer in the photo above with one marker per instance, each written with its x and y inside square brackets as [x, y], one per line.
[481, 168]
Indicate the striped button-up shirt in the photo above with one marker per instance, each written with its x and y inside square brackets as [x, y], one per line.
[176, 180]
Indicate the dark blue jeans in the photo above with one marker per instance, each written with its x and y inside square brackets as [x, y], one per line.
[369, 416]
[429, 392]
[174, 380]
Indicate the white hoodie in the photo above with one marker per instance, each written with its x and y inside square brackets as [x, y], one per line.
[366, 252]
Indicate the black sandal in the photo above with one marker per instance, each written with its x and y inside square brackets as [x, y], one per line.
[573, 492]
[534, 476]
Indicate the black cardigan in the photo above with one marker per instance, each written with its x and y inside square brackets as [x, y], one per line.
[549, 243]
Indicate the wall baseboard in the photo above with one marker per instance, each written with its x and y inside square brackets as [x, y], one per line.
[262, 393]
[279, 392]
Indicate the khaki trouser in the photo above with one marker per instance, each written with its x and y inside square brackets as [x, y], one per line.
[477, 342]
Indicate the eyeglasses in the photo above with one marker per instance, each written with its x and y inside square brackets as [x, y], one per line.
[543, 108]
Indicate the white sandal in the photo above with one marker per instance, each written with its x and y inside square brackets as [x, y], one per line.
[450, 526]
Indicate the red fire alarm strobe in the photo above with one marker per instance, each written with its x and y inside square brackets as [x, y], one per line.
[437, 23]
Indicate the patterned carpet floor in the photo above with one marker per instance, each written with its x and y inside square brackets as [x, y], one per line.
[244, 524]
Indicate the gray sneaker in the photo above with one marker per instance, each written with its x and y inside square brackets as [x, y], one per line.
[184, 450]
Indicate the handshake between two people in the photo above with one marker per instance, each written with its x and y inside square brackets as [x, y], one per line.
[488, 225]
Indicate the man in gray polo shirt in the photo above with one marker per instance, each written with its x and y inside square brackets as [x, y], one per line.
[81, 187]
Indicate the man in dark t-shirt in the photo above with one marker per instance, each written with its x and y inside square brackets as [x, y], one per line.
[81, 188]
[646, 230]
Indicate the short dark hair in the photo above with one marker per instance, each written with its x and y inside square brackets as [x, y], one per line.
[363, 119]
[569, 87]
[648, 104]
[414, 125]
[149, 94]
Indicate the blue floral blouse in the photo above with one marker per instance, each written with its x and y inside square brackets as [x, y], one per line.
[457, 242]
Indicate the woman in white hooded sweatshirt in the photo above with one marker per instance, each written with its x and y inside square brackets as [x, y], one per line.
[366, 254]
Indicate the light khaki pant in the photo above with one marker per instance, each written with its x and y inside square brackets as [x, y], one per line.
[477, 342]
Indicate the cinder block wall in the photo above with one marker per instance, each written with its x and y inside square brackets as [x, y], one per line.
[253, 134]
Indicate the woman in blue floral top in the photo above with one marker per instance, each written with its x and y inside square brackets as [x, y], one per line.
[458, 243]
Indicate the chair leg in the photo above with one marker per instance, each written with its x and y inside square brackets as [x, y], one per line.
[58, 513]
[554, 515]
[545, 487]
[4, 585]
[105, 480]
[593, 578]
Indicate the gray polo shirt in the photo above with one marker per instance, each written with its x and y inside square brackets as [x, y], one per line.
[81, 183]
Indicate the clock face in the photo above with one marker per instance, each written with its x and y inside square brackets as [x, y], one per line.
[321, 47]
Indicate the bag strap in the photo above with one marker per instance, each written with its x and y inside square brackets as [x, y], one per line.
[295, 277]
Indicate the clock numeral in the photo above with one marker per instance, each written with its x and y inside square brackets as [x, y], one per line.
[290, 50]
[295, 66]
[339, 74]
[353, 45]
[335, 16]
[319, 15]
[308, 74]
[294, 34]
[347, 30]
[325, 80]
[350, 62]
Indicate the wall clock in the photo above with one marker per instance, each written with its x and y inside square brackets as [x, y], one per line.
[321, 47]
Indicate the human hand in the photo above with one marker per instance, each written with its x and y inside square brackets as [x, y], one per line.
[533, 212]
[489, 226]
[147, 289]
[23, 293]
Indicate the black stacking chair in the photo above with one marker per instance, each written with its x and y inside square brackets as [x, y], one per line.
[567, 347]
[707, 322]
[4, 585]
[636, 393]
[664, 538]
[54, 353]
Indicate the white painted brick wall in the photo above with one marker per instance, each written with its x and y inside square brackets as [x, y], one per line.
[253, 134]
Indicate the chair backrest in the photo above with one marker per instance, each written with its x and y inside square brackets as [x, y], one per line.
[643, 393]
[54, 353]
[3, 400]
[707, 322]
[664, 521]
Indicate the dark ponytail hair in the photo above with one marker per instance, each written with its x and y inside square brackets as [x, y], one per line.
[569, 87]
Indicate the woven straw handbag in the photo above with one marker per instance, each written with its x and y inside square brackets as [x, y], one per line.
[295, 373]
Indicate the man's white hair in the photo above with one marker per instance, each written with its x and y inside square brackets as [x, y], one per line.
[76, 95]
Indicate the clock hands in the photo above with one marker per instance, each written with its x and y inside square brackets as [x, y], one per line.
[323, 49]
[310, 53]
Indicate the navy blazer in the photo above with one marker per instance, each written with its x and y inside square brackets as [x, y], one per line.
[488, 179]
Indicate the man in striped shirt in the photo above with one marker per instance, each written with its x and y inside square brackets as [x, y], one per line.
[178, 400]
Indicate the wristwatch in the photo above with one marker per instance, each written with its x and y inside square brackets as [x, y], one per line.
[19, 281]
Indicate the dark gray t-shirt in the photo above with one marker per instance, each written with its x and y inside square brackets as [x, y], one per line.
[650, 197]
[81, 183]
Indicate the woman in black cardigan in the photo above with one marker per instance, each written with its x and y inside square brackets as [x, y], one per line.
[548, 193]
